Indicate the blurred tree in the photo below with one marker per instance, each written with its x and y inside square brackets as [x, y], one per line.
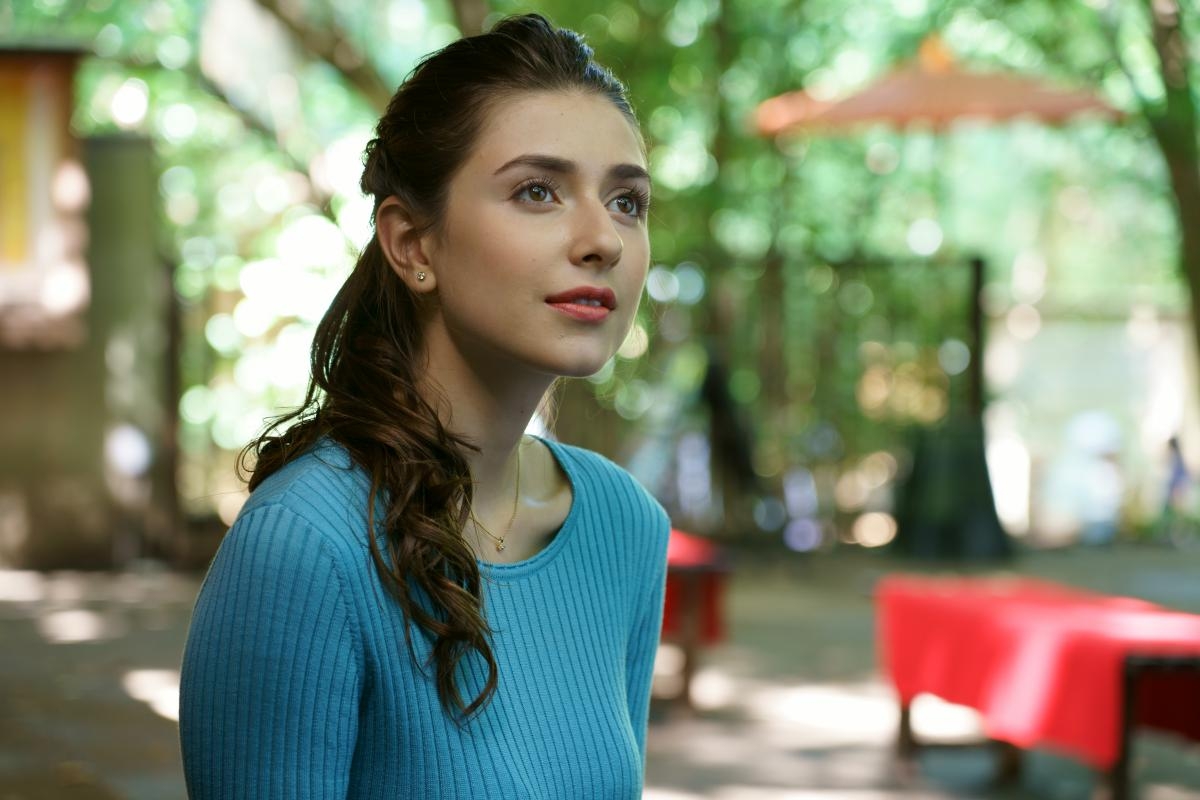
[764, 253]
[1143, 52]
[1172, 119]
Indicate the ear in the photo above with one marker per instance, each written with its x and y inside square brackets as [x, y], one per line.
[404, 246]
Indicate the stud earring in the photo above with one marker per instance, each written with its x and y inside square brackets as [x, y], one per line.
[420, 276]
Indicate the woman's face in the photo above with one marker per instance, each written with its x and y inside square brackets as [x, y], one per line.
[542, 254]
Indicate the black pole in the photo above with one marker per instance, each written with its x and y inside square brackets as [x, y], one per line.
[975, 396]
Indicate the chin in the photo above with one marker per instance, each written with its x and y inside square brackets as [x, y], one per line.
[580, 370]
[579, 365]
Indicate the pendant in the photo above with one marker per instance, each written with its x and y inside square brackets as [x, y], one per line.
[500, 546]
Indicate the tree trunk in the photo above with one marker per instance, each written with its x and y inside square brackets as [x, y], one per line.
[329, 43]
[722, 306]
[469, 15]
[1174, 128]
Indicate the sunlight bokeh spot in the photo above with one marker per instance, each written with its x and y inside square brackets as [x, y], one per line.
[178, 122]
[1023, 322]
[21, 586]
[229, 505]
[636, 342]
[74, 625]
[954, 356]
[691, 283]
[174, 52]
[222, 333]
[312, 241]
[662, 284]
[65, 288]
[253, 317]
[924, 237]
[130, 103]
[157, 688]
[874, 529]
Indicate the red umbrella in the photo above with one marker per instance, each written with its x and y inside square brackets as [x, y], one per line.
[932, 89]
[784, 111]
[935, 91]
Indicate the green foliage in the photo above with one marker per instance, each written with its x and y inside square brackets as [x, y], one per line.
[811, 286]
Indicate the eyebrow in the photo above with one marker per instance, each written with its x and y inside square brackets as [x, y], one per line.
[565, 167]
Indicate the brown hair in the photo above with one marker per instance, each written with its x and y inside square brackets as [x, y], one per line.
[363, 392]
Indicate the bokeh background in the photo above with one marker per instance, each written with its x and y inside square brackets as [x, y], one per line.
[952, 340]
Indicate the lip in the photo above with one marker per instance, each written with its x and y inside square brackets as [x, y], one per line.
[580, 303]
[599, 294]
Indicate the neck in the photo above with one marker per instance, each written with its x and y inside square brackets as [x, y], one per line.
[491, 408]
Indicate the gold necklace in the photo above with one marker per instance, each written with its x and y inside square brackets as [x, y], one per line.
[499, 540]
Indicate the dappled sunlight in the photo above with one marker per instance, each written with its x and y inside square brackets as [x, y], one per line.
[807, 307]
[935, 720]
[66, 607]
[770, 793]
[668, 794]
[713, 689]
[157, 688]
[828, 715]
[1170, 792]
[780, 718]
[668, 670]
[21, 586]
[72, 625]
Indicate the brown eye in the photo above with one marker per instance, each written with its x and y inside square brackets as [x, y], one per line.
[633, 204]
[537, 192]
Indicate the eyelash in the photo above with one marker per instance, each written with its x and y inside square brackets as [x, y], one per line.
[640, 197]
[547, 183]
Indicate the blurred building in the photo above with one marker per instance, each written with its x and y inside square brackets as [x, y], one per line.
[86, 462]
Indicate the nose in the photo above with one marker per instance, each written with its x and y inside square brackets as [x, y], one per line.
[595, 240]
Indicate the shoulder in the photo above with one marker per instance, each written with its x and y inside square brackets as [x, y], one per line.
[322, 490]
[613, 491]
[286, 578]
[294, 553]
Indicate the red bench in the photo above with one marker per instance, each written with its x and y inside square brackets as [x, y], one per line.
[1045, 665]
[693, 607]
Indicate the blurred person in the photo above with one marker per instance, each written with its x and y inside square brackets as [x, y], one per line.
[1085, 487]
[1104, 494]
[418, 600]
[1178, 479]
[1179, 523]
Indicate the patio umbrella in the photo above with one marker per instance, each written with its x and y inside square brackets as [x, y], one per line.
[934, 91]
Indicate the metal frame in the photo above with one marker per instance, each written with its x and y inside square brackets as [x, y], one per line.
[1137, 666]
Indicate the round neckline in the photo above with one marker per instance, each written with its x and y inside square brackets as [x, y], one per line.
[517, 569]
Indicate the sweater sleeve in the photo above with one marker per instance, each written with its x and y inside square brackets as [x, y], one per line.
[644, 638]
[271, 675]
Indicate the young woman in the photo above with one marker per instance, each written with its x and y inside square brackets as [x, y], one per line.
[418, 601]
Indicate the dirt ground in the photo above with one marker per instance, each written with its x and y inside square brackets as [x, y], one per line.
[790, 707]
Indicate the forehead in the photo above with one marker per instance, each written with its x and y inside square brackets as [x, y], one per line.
[582, 127]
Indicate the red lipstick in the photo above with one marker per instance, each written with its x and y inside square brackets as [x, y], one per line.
[584, 303]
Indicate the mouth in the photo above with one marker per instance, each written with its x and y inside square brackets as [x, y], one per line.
[589, 304]
[586, 297]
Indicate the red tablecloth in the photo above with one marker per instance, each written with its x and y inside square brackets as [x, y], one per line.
[695, 585]
[1041, 662]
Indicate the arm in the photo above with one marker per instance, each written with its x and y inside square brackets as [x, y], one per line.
[272, 669]
[644, 637]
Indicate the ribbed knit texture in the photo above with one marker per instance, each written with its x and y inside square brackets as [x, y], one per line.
[296, 682]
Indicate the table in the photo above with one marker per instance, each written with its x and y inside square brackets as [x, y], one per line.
[693, 606]
[1046, 665]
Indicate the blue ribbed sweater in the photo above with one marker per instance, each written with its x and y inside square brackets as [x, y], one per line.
[296, 681]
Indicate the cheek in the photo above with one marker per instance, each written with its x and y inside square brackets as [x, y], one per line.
[637, 277]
